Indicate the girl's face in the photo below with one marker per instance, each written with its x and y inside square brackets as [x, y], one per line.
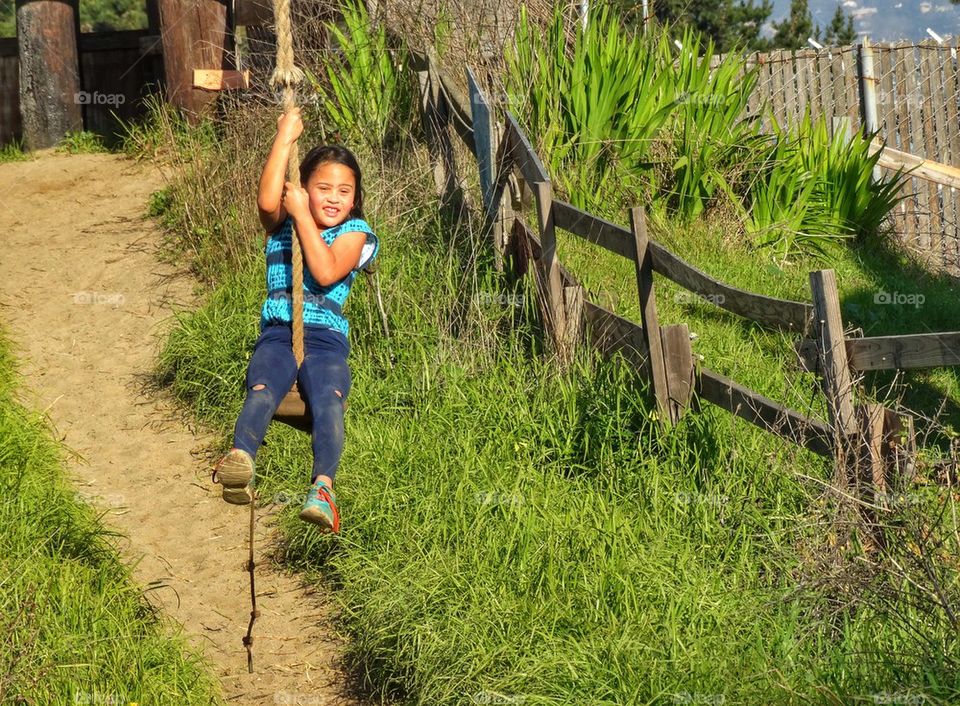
[332, 189]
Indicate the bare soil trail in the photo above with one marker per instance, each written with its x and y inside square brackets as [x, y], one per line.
[84, 298]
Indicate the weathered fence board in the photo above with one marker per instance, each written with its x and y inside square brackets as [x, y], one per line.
[779, 313]
[922, 350]
[611, 334]
[524, 154]
[833, 353]
[763, 412]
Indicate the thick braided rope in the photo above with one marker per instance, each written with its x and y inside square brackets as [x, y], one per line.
[287, 74]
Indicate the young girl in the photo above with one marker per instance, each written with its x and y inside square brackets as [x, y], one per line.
[326, 209]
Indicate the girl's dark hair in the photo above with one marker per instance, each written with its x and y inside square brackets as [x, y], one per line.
[339, 155]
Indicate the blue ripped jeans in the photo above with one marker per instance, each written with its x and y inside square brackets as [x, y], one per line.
[324, 379]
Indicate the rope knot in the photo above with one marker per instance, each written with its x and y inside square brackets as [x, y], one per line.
[287, 76]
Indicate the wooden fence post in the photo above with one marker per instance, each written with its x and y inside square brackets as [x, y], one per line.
[50, 97]
[882, 460]
[435, 114]
[868, 93]
[574, 319]
[501, 200]
[193, 35]
[679, 367]
[648, 311]
[549, 268]
[429, 96]
[833, 353]
[484, 136]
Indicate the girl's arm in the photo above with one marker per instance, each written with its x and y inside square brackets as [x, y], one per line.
[270, 192]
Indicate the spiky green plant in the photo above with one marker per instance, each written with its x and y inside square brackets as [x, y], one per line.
[844, 167]
[709, 135]
[364, 93]
[783, 210]
[593, 101]
[811, 188]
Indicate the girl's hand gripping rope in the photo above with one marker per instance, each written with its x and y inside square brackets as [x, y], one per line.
[296, 200]
[290, 126]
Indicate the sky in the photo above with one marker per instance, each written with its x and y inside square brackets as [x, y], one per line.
[886, 20]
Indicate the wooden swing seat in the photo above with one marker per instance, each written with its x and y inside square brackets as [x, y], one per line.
[295, 412]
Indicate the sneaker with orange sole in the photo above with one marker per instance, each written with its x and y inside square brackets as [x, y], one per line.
[320, 507]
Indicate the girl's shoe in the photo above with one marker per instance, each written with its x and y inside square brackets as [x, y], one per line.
[320, 507]
[234, 472]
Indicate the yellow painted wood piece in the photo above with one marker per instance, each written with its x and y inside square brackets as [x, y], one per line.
[220, 80]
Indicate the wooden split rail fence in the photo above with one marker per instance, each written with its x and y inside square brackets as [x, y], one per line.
[873, 444]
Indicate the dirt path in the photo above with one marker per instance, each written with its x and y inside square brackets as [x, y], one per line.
[84, 297]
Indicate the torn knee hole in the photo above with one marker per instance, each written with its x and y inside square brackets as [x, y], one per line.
[259, 386]
[339, 394]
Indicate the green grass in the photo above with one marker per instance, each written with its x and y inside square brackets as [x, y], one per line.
[74, 627]
[13, 152]
[81, 142]
[512, 534]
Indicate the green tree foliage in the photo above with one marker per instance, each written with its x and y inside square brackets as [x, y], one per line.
[729, 23]
[95, 16]
[106, 15]
[840, 31]
[793, 32]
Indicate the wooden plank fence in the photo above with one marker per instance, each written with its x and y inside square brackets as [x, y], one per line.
[117, 69]
[912, 91]
[872, 446]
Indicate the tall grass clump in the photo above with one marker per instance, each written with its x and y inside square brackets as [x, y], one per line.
[366, 93]
[707, 138]
[615, 112]
[811, 188]
[74, 627]
[594, 101]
